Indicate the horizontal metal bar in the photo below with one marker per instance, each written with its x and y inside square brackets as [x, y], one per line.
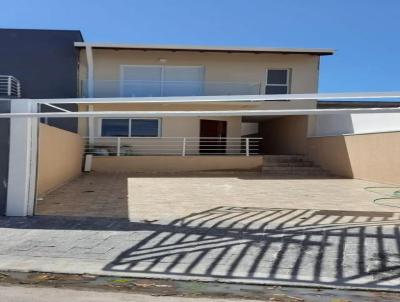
[144, 114]
[172, 137]
[173, 82]
[144, 148]
[179, 154]
[230, 98]
[56, 107]
[174, 146]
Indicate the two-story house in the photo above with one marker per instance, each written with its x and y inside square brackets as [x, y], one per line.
[147, 108]
[194, 78]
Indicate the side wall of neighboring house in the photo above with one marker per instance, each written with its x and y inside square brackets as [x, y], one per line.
[46, 64]
[59, 159]
[355, 123]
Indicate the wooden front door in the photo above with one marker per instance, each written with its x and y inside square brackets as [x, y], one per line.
[216, 131]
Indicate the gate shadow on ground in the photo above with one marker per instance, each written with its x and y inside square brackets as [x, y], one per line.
[337, 248]
[248, 244]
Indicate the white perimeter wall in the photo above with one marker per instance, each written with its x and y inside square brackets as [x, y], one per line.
[337, 124]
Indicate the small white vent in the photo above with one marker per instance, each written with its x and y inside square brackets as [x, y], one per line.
[10, 86]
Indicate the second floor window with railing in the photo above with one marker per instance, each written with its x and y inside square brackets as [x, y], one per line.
[153, 80]
[278, 81]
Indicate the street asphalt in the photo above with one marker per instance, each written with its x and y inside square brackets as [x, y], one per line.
[39, 294]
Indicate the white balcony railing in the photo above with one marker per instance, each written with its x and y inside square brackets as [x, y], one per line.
[181, 146]
[10, 86]
[109, 88]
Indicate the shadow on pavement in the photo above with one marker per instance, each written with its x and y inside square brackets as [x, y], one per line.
[255, 245]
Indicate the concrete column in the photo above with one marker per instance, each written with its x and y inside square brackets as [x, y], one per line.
[4, 151]
[90, 88]
[91, 127]
[90, 70]
[21, 192]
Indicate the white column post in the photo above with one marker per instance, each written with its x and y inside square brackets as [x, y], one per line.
[9, 82]
[90, 89]
[18, 89]
[91, 127]
[247, 146]
[118, 146]
[184, 147]
[90, 71]
[21, 192]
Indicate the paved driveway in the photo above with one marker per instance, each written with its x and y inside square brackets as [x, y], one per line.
[156, 198]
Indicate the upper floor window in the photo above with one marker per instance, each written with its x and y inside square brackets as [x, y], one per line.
[161, 80]
[130, 127]
[278, 81]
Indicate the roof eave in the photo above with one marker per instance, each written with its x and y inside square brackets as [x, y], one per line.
[311, 51]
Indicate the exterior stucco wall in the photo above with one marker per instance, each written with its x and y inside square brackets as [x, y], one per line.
[169, 164]
[284, 135]
[113, 105]
[174, 127]
[60, 157]
[373, 157]
[227, 67]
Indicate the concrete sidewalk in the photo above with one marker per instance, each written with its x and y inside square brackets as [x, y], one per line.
[232, 244]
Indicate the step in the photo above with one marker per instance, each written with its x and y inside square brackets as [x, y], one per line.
[319, 174]
[305, 163]
[295, 171]
[284, 158]
[315, 172]
[312, 168]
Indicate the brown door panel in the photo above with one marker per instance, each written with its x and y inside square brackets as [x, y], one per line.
[216, 130]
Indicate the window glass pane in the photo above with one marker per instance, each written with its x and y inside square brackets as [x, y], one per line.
[144, 128]
[183, 81]
[277, 76]
[270, 89]
[141, 81]
[183, 73]
[142, 73]
[115, 127]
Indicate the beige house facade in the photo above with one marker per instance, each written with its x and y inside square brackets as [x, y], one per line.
[114, 71]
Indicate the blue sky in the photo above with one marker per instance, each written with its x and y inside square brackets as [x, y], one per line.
[365, 33]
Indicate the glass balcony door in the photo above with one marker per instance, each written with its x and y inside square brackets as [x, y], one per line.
[152, 80]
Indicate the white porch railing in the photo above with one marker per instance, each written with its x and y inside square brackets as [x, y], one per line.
[182, 146]
[10, 86]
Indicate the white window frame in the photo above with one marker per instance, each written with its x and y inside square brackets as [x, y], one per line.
[100, 124]
[123, 66]
[288, 79]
